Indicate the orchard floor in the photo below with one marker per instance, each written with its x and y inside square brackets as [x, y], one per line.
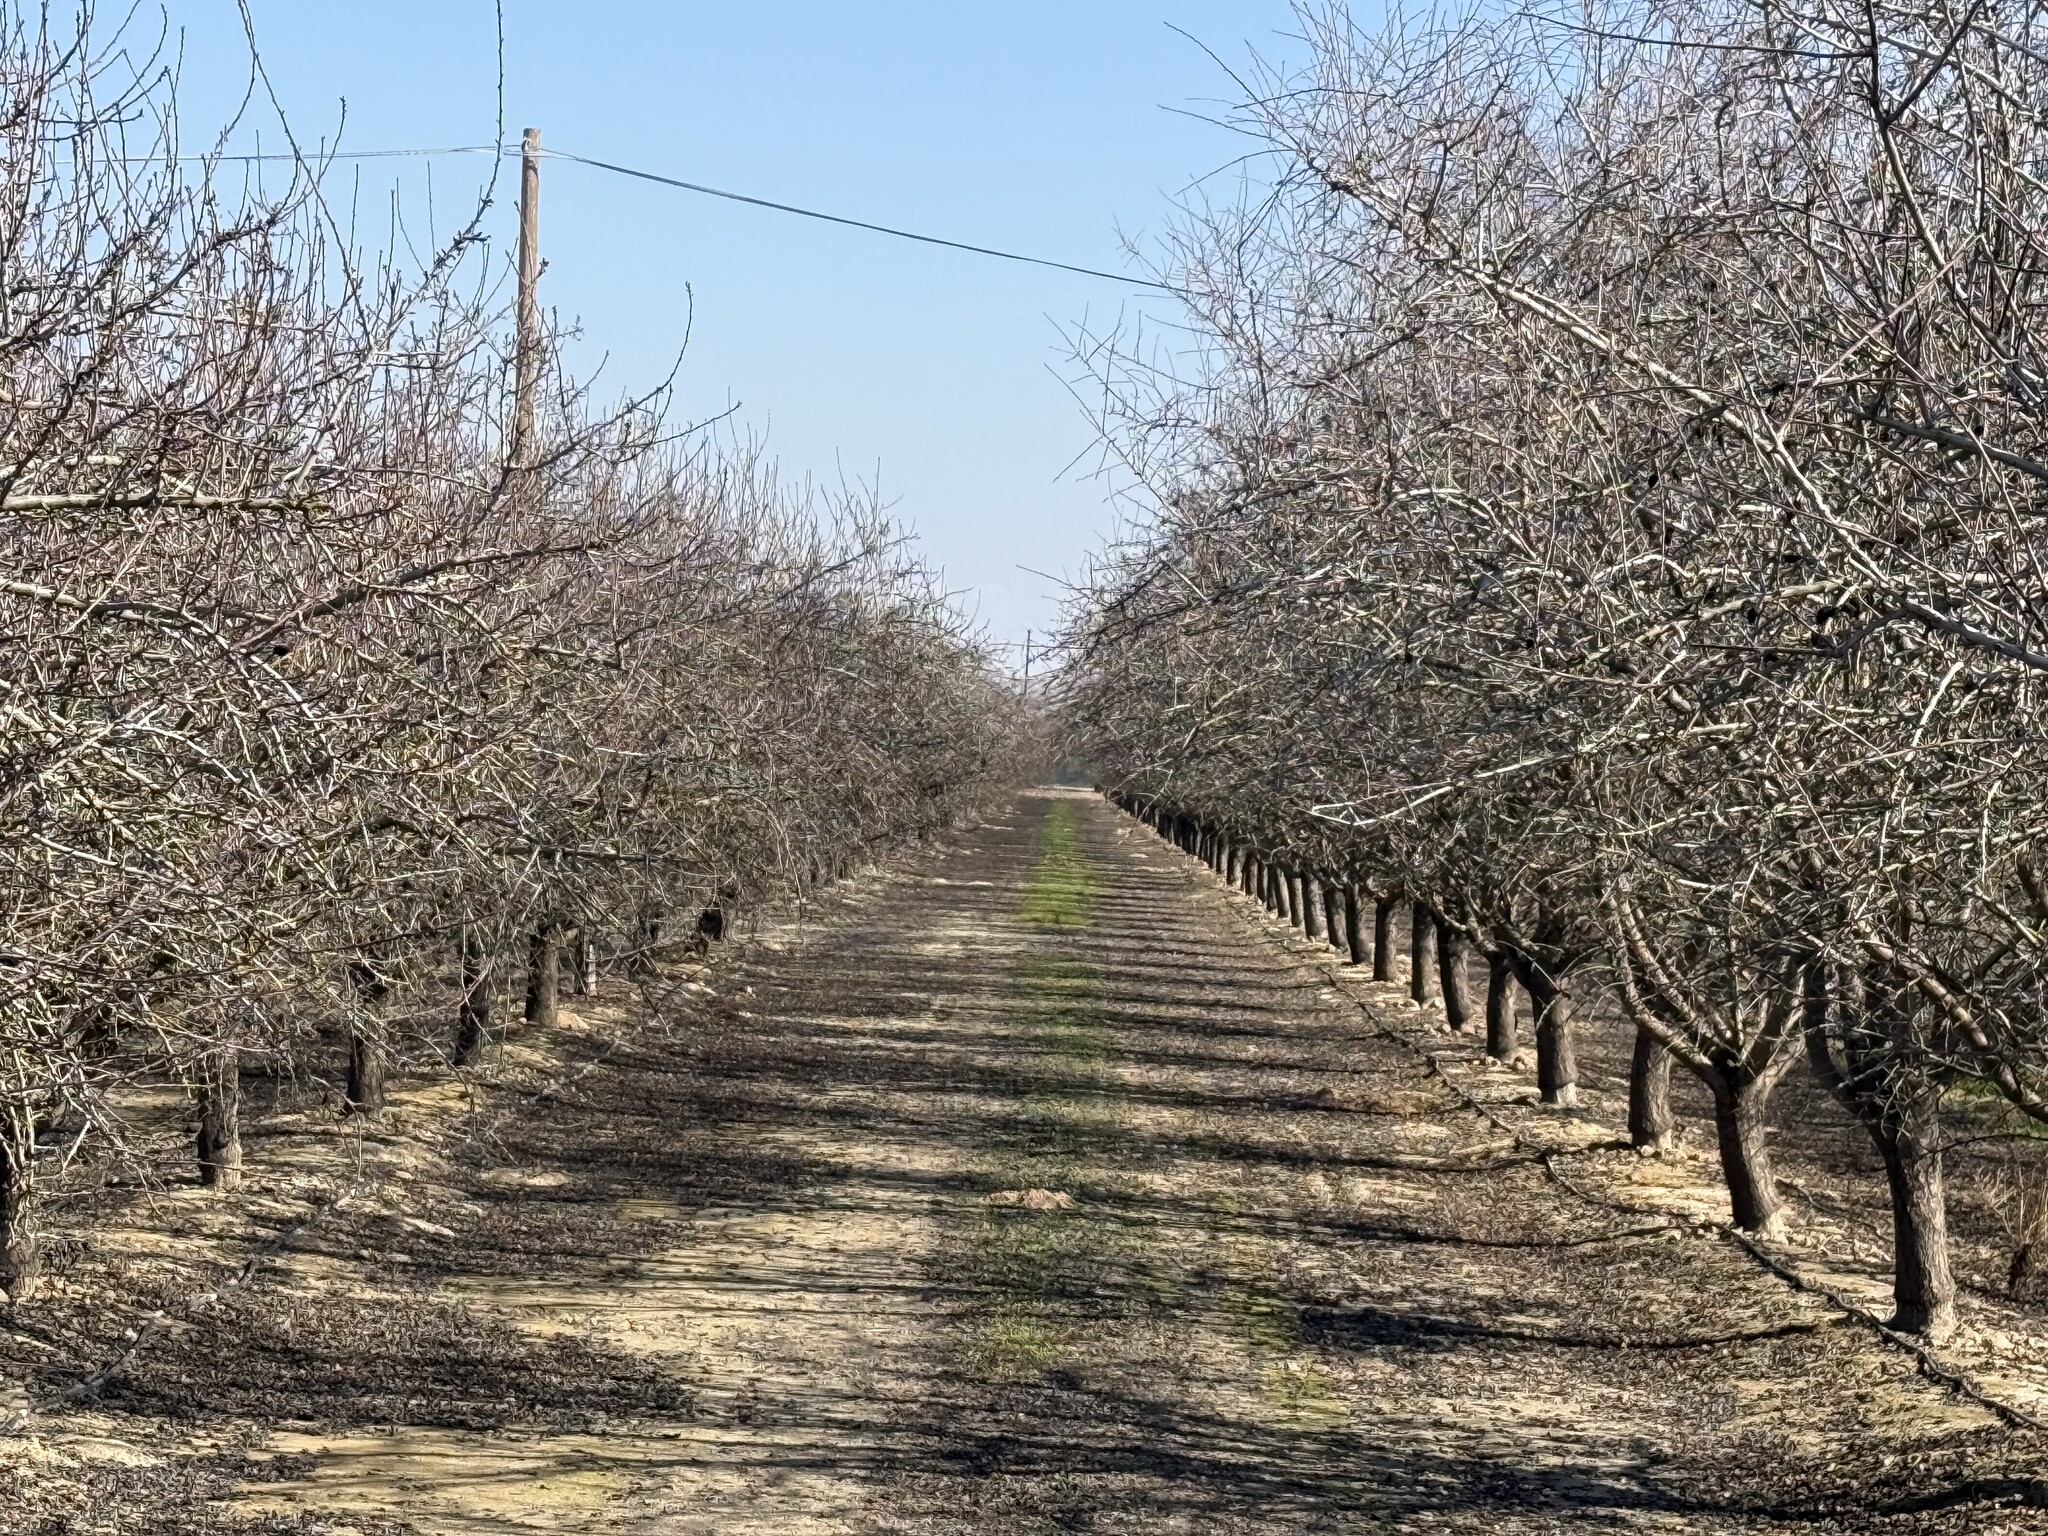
[1044, 1186]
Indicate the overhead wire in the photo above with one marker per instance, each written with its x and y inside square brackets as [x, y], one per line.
[852, 223]
[703, 191]
[313, 156]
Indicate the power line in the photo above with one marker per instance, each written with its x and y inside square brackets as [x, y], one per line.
[317, 156]
[834, 218]
[704, 191]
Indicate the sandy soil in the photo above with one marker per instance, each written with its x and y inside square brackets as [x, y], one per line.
[1045, 1186]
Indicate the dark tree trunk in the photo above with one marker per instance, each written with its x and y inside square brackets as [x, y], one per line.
[1901, 1109]
[582, 984]
[1652, 1128]
[218, 1143]
[473, 1017]
[1502, 1042]
[20, 1256]
[1923, 1287]
[1451, 948]
[1311, 919]
[1297, 899]
[1333, 916]
[1421, 955]
[1739, 1124]
[1354, 936]
[363, 1094]
[1557, 1066]
[1383, 939]
[366, 1065]
[544, 976]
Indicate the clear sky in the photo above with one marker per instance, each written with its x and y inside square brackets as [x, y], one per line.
[1060, 128]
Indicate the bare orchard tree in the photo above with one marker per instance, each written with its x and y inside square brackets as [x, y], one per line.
[1607, 495]
[323, 720]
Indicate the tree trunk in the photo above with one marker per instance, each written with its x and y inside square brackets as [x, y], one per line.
[1557, 1066]
[1746, 1154]
[582, 984]
[364, 1092]
[1421, 955]
[1902, 1111]
[1502, 1043]
[544, 976]
[1652, 1128]
[1354, 936]
[473, 1018]
[1451, 948]
[1383, 939]
[1311, 918]
[20, 1257]
[218, 1144]
[1333, 917]
[1908, 1134]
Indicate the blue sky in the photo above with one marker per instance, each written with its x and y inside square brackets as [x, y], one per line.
[1058, 128]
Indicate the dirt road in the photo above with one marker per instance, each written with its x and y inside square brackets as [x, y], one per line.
[1042, 1188]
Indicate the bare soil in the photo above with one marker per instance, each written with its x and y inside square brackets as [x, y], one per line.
[1045, 1186]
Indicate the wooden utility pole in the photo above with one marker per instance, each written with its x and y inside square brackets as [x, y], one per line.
[526, 375]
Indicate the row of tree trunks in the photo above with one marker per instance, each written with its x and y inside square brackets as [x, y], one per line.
[1856, 1059]
[215, 1087]
[1440, 958]
[1333, 911]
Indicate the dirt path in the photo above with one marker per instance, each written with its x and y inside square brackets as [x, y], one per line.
[1047, 1189]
